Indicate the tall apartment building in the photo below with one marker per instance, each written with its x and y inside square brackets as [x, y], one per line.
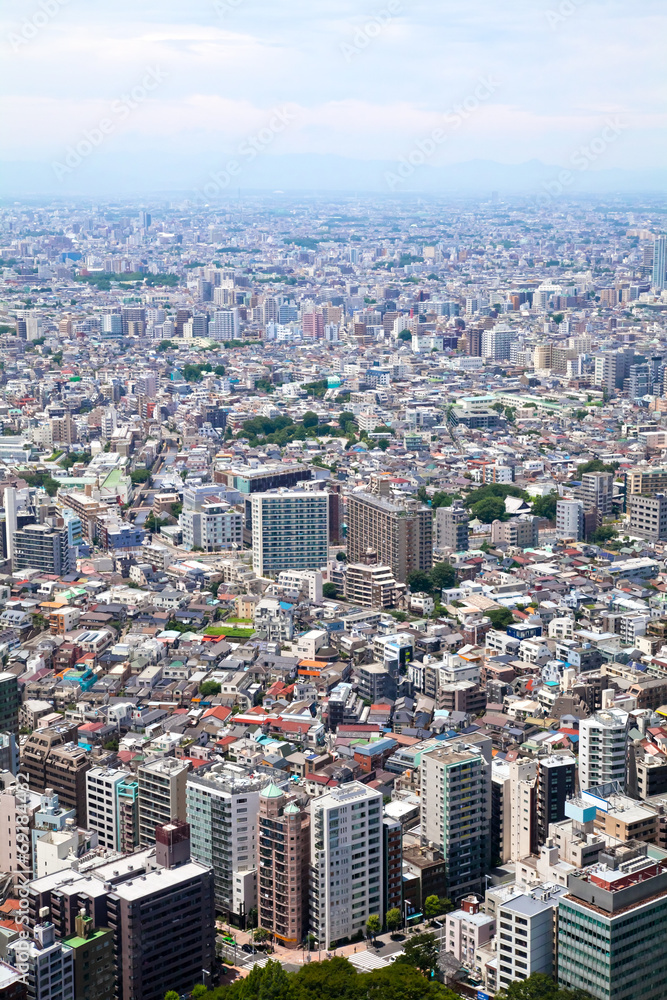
[161, 795]
[393, 864]
[451, 529]
[128, 814]
[52, 762]
[92, 956]
[102, 786]
[602, 748]
[659, 268]
[496, 343]
[611, 925]
[163, 923]
[570, 519]
[456, 813]
[290, 530]
[526, 927]
[10, 702]
[222, 809]
[402, 536]
[612, 368]
[225, 325]
[556, 783]
[212, 527]
[346, 856]
[50, 964]
[284, 857]
[648, 516]
[596, 490]
[44, 547]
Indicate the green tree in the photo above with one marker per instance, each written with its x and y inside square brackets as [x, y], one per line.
[422, 952]
[442, 575]
[261, 934]
[419, 581]
[510, 414]
[329, 590]
[405, 335]
[341, 557]
[500, 618]
[442, 499]
[491, 509]
[209, 688]
[346, 418]
[603, 534]
[373, 925]
[545, 506]
[392, 919]
[199, 991]
[539, 986]
[171, 995]
[140, 476]
[432, 907]
[310, 419]
[498, 407]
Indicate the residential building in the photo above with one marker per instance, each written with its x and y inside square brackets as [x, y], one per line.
[648, 516]
[102, 785]
[556, 783]
[456, 813]
[290, 530]
[50, 964]
[526, 926]
[212, 527]
[596, 490]
[496, 342]
[570, 519]
[393, 864]
[520, 532]
[346, 856]
[92, 954]
[602, 748]
[44, 547]
[161, 795]
[451, 529]
[284, 856]
[10, 703]
[222, 810]
[371, 585]
[466, 930]
[401, 535]
[659, 268]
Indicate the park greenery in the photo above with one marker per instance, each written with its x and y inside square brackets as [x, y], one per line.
[441, 575]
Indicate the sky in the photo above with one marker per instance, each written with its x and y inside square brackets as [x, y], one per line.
[99, 96]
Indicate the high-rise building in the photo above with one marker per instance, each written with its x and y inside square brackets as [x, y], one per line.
[312, 324]
[556, 780]
[496, 343]
[44, 547]
[647, 481]
[163, 923]
[225, 325]
[92, 954]
[451, 529]
[659, 270]
[222, 808]
[640, 382]
[52, 762]
[290, 530]
[284, 856]
[346, 856]
[393, 864]
[570, 519]
[612, 368]
[602, 748]
[213, 526]
[648, 516]
[611, 924]
[10, 702]
[50, 964]
[161, 795]
[597, 490]
[11, 520]
[456, 813]
[526, 927]
[102, 785]
[401, 535]
[371, 585]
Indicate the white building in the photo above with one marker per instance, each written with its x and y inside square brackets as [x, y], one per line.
[308, 581]
[102, 801]
[213, 527]
[570, 519]
[222, 809]
[347, 857]
[496, 343]
[50, 964]
[224, 325]
[290, 530]
[602, 747]
[526, 934]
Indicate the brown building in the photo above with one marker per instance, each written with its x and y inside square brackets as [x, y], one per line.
[284, 858]
[427, 875]
[400, 534]
[393, 864]
[94, 977]
[52, 761]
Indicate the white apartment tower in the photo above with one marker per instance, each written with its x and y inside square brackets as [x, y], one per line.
[290, 530]
[102, 802]
[346, 852]
[602, 748]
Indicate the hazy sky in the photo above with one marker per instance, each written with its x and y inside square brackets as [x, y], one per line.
[363, 79]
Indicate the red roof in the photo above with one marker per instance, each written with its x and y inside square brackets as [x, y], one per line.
[220, 712]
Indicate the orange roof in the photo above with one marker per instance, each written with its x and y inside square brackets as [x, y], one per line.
[311, 663]
[220, 712]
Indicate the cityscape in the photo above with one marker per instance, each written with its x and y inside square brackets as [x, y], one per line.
[333, 502]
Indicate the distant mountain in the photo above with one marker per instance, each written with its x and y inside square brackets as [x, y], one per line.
[111, 173]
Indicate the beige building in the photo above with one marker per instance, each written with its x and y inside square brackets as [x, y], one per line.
[162, 786]
[401, 534]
